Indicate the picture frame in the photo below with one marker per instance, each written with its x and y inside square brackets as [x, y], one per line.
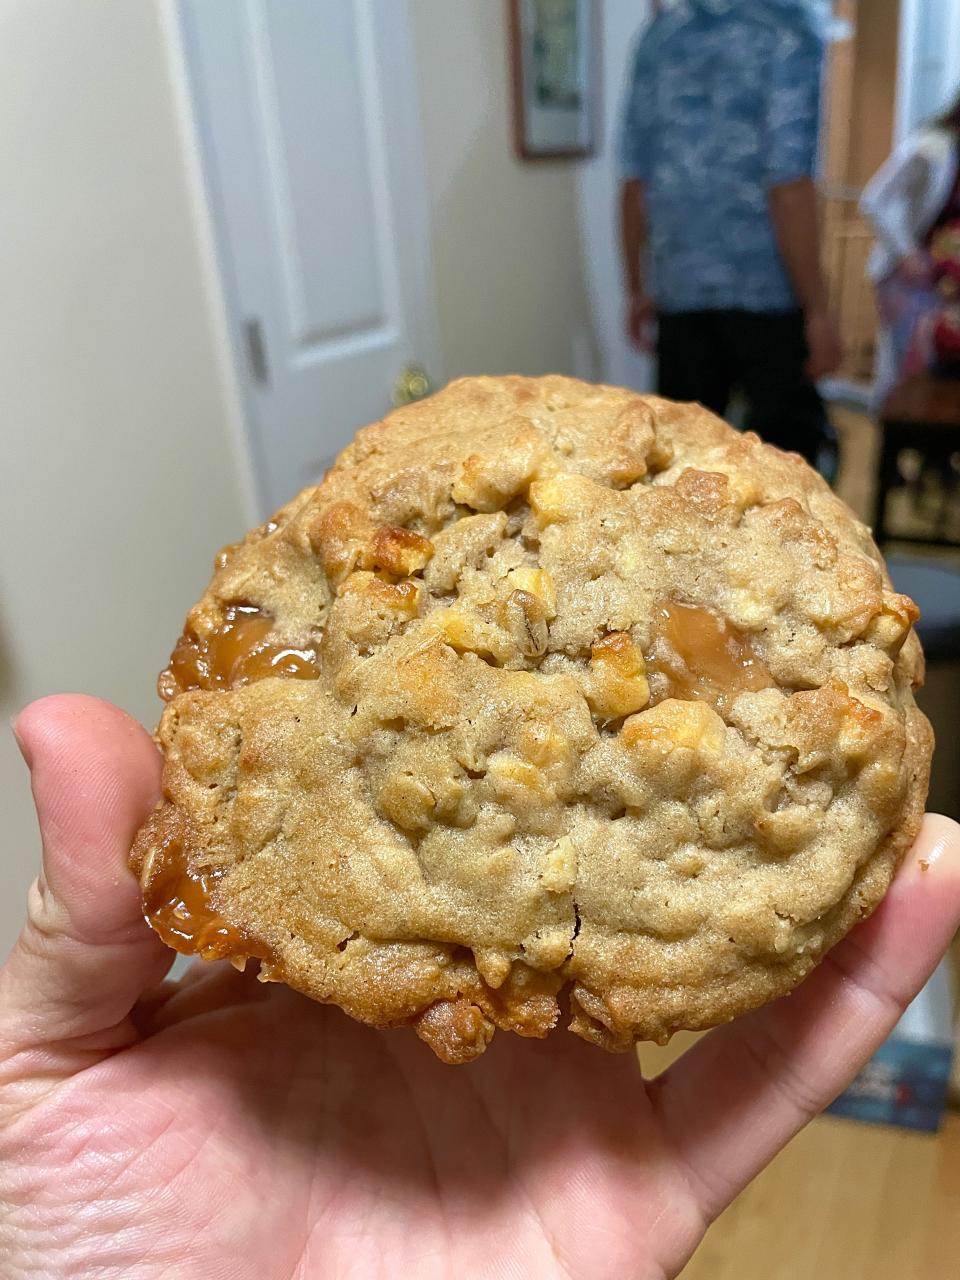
[554, 54]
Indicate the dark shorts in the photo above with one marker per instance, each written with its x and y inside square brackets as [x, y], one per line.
[706, 355]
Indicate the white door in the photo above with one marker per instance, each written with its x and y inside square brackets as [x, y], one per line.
[308, 126]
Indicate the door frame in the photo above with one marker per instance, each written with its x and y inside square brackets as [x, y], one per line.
[217, 265]
[242, 411]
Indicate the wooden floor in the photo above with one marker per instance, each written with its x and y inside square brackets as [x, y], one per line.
[845, 1201]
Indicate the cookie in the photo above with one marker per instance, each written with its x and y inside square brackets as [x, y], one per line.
[546, 688]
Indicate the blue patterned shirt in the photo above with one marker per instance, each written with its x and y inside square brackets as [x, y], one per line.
[723, 104]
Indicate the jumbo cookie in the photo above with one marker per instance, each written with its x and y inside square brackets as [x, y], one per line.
[549, 697]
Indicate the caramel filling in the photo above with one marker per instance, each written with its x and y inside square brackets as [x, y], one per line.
[177, 904]
[702, 656]
[237, 652]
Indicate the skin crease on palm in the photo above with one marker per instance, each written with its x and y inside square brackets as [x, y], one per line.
[218, 1127]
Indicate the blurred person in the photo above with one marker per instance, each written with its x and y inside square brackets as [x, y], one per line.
[718, 147]
[913, 202]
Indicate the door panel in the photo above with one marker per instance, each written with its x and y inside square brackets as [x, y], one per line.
[313, 91]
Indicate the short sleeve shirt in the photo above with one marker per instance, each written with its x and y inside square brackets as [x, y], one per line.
[723, 104]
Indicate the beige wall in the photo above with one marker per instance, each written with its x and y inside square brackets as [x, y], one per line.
[505, 236]
[117, 473]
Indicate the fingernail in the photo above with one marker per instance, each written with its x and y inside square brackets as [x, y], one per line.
[942, 838]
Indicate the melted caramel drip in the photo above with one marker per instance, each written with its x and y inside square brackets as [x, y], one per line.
[226, 554]
[236, 653]
[177, 904]
[702, 656]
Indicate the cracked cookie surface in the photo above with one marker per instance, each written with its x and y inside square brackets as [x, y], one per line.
[546, 686]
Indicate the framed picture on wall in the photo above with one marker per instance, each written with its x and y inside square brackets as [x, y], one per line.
[554, 53]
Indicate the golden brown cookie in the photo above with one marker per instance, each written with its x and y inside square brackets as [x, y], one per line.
[546, 685]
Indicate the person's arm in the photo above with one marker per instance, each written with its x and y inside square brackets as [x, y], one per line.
[633, 232]
[792, 127]
[633, 242]
[793, 209]
[635, 146]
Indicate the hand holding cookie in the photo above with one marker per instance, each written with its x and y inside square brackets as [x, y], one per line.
[218, 1126]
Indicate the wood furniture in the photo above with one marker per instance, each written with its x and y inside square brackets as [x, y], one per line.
[922, 413]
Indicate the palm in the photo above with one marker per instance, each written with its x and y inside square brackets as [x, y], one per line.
[218, 1127]
[253, 1133]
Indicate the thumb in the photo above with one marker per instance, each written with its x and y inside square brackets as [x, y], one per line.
[84, 954]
